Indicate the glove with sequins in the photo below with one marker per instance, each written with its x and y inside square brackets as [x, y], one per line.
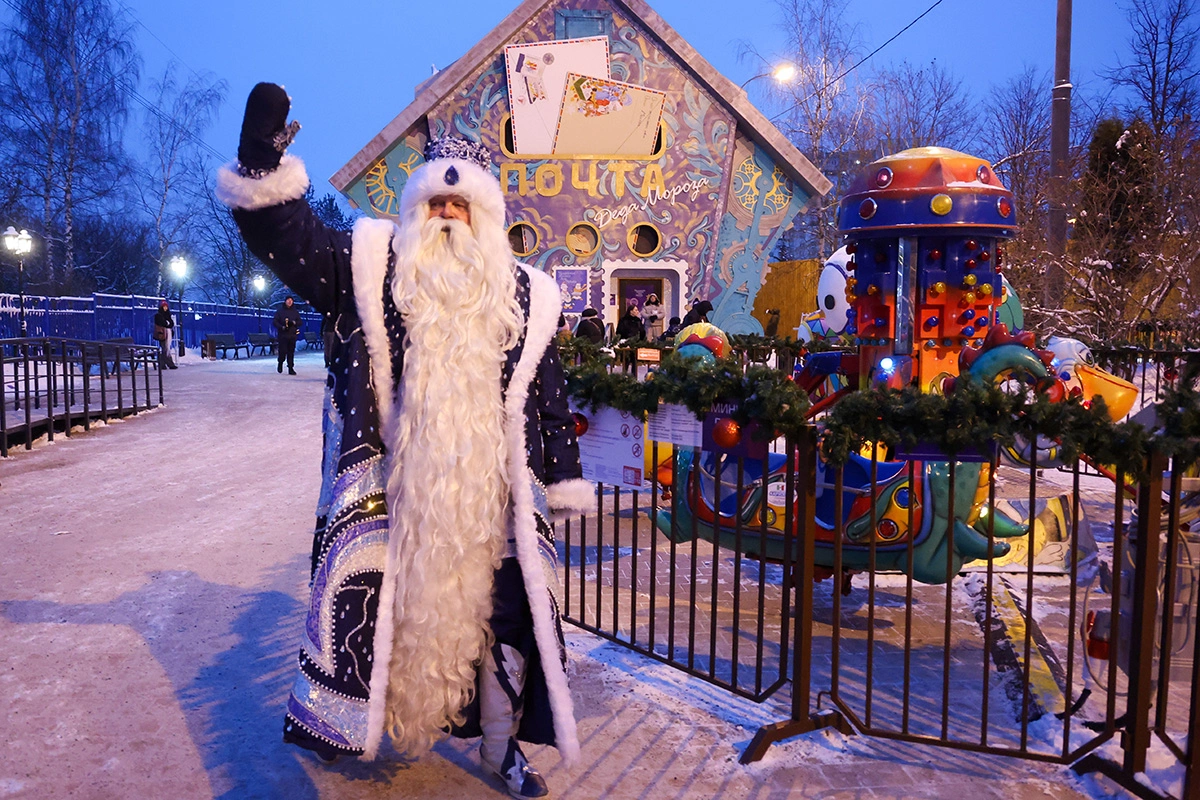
[266, 133]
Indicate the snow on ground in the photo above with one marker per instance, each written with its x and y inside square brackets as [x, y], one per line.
[151, 595]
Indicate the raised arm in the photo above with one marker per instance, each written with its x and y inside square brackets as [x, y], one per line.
[265, 189]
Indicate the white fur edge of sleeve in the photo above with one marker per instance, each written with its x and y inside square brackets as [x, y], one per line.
[544, 308]
[288, 182]
[573, 495]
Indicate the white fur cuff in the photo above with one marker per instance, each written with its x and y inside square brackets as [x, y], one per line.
[288, 182]
[575, 495]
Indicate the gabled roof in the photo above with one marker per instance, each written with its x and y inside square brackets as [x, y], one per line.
[751, 121]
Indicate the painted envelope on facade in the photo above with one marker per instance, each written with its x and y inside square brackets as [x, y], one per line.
[537, 76]
[603, 116]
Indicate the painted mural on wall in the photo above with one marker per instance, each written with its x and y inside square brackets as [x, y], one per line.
[761, 201]
[698, 213]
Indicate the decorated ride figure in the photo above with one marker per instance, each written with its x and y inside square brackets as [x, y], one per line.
[924, 227]
[447, 443]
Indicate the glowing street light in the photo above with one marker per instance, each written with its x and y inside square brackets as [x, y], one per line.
[20, 245]
[260, 284]
[179, 268]
[783, 74]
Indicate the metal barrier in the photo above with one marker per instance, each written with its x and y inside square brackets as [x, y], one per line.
[1001, 658]
[728, 625]
[107, 316]
[50, 384]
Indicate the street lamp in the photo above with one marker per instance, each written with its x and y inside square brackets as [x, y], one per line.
[260, 283]
[784, 73]
[19, 244]
[179, 267]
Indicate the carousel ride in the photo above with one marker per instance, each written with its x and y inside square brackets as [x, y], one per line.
[918, 296]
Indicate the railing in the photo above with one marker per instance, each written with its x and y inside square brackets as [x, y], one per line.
[1085, 632]
[107, 316]
[48, 385]
[717, 611]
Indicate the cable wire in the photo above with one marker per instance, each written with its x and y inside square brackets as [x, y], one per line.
[862, 61]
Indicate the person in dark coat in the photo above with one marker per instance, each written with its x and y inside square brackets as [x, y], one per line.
[675, 326]
[164, 330]
[328, 337]
[630, 327]
[448, 446]
[589, 327]
[287, 330]
[699, 313]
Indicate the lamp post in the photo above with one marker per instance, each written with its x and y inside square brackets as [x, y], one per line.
[784, 73]
[260, 283]
[179, 267]
[19, 244]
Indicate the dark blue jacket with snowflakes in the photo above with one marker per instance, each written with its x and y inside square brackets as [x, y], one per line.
[337, 703]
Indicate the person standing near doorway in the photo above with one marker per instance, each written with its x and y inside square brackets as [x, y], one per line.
[652, 317]
[287, 329]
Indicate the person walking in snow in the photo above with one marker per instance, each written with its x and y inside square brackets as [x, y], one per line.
[287, 330]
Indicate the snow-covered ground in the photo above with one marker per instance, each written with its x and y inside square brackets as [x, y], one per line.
[151, 594]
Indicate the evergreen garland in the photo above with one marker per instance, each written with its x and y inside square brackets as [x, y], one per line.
[762, 395]
[970, 417]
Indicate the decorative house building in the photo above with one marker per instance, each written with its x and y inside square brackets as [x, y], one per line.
[630, 166]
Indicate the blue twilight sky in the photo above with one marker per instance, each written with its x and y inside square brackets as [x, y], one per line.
[351, 66]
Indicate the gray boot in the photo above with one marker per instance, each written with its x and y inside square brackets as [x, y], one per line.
[501, 698]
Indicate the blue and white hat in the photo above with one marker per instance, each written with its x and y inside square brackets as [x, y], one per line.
[456, 166]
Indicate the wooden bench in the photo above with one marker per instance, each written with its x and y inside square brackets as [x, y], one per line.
[263, 341]
[226, 342]
[312, 341]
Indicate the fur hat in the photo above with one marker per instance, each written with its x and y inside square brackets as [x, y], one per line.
[456, 166]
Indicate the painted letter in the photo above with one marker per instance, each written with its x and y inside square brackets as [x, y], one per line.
[618, 170]
[653, 179]
[522, 181]
[554, 171]
[592, 184]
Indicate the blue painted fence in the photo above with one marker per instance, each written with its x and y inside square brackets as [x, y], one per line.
[110, 316]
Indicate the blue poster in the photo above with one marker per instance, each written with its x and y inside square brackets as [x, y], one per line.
[572, 288]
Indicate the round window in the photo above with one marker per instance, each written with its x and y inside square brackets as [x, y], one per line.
[583, 239]
[522, 238]
[644, 240]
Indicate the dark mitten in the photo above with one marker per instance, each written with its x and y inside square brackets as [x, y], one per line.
[265, 132]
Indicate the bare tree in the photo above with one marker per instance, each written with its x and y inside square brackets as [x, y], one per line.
[65, 68]
[225, 267]
[821, 109]
[920, 106]
[1162, 69]
[172, 181]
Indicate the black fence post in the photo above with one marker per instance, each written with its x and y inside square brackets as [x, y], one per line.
[803, 546]
[1144, 613]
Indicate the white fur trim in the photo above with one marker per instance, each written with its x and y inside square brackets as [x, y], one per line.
[478, 186]
[544, 308]
[370, 244]
[288, 182]
[574, 495]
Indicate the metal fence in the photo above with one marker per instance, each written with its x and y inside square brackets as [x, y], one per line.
[107, 316]
[1085, 632]
[49, 385]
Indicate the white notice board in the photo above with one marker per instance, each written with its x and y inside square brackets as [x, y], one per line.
[611, 451]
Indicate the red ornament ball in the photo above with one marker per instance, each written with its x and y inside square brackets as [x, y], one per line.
[727, 433]
[581, 423]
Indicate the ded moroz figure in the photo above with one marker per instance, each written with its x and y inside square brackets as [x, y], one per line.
[448, 445]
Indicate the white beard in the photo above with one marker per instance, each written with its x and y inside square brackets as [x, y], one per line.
[448, 488]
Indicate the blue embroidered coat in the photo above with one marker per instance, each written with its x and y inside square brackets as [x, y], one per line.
[337, 704]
